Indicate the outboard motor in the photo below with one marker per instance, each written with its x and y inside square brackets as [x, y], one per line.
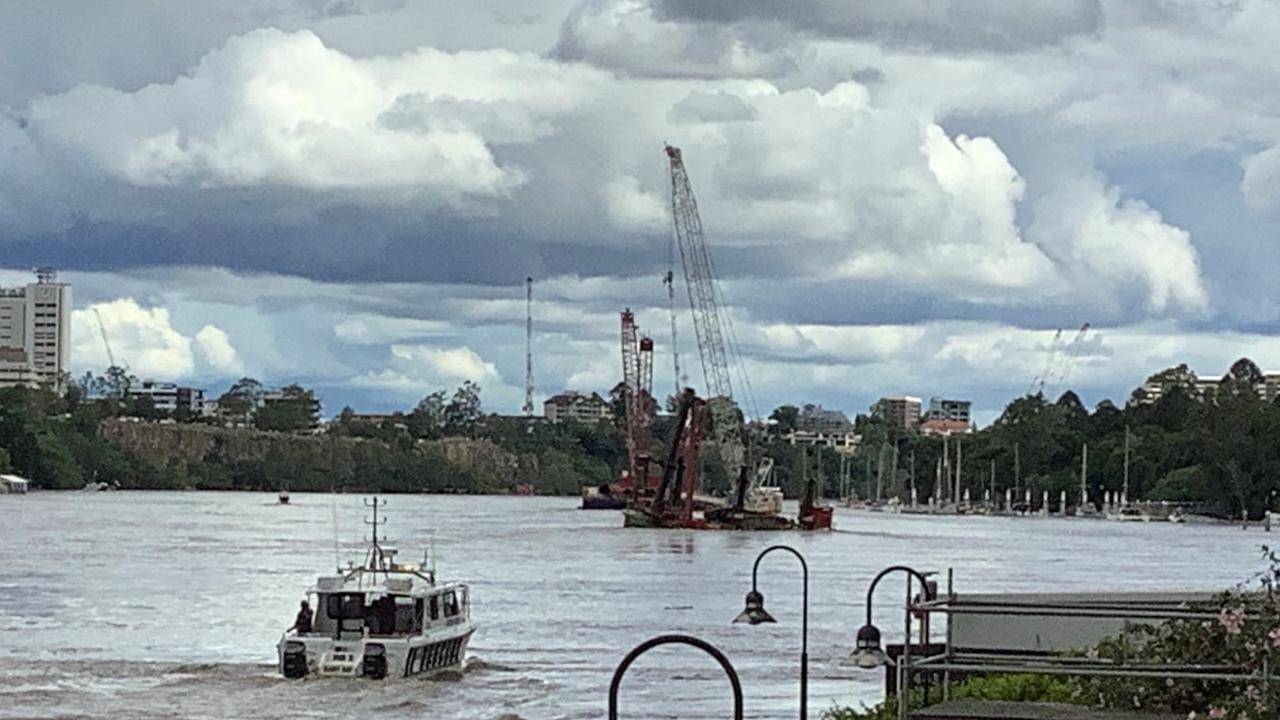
[375, 661]
[295, 660]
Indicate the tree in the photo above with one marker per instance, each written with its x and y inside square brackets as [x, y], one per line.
[463, 409]
[785, 419]
[4, 461]
[427, 419]
[294, 410]
[116, 383]
[241, 399]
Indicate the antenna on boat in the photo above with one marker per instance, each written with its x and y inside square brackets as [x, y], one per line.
[337, 555]
[375, 553]
[429, 561]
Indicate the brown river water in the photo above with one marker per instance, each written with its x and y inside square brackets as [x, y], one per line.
[168, 605]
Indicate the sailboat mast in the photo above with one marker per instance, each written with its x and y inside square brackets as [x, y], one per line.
[1124, 496]
[1017, 469]
[1084, 474]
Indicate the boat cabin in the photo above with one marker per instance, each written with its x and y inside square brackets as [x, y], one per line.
[394, 610]
[384, 598]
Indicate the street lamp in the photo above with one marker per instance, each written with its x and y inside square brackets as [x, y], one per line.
[652, 643]
[868, 653]
[754, 614]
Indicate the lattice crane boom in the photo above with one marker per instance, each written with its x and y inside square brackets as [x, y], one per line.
[1073, 352]
[1037, 383]
[699, 275]
[637, 381]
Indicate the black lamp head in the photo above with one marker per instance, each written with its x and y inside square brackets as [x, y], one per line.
[754, 613]
[867, 653]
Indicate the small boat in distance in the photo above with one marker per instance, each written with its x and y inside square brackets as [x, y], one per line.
[380, 620]
[283, 497]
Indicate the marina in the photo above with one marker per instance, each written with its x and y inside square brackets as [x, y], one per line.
[559, 596]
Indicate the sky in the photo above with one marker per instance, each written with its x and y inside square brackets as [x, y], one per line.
[905, 197]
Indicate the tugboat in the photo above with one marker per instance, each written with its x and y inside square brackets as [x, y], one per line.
[380, 620]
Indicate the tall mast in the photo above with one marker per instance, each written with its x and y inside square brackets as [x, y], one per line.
[1017, 468]
[1124, 497]
[528, 347]
[1084, 476]
[946, 467]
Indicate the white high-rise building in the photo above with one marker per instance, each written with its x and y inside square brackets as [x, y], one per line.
[35, 330]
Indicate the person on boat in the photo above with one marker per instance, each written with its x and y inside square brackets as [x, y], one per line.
[302, 623]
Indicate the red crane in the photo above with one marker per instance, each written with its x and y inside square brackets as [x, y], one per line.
[637, 398]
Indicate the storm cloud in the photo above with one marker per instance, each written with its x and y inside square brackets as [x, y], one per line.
[905, 198]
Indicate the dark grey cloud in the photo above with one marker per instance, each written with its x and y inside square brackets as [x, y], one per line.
[959, 25]
[799, 172]
[710, 107]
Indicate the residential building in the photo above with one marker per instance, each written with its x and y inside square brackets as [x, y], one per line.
[279, 396]
[573, 406]
[846, 443]
[952, 410]
[35, 327]
[817, 419]
[900, 411]
[168, 398]
[942, 426]
[1266, 385]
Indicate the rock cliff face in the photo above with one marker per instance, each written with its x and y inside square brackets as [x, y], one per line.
[184, 446]
[166, 444]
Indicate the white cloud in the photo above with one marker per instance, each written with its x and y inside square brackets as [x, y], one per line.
[218, 352]
[141, 339]
[1261, 181]
[632, 208]
[418, 369]
[275, 108]
[627, 36]
[1116, 246]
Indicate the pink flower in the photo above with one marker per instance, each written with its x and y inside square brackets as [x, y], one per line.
[1231, 620]
[1217, 712]
[1274, 637]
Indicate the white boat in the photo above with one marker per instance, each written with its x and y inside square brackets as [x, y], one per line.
[381, 620]
[1129, 514]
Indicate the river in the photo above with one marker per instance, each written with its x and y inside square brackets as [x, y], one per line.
[168, 605]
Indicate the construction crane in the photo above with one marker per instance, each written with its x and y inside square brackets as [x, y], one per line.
[670, 281]
[1073, 351]
[637, 381]
[1037, 383]
[528, 347]
[111, 358]
[715, 341]
[699, 276]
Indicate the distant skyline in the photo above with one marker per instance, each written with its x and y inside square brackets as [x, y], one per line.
[349, 193]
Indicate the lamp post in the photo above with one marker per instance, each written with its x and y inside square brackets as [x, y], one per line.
[754, 613]
[652, 643]
[868, 654]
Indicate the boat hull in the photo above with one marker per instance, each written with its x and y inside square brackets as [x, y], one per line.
[603, 502]
[399, 658]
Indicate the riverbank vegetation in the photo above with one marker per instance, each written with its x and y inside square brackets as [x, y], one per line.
[68, 441]
[1218, 454]
[1216, 450]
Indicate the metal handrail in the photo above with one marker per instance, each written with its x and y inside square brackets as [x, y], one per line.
[651, 643]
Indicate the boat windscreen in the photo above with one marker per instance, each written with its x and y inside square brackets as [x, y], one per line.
[344, 606]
